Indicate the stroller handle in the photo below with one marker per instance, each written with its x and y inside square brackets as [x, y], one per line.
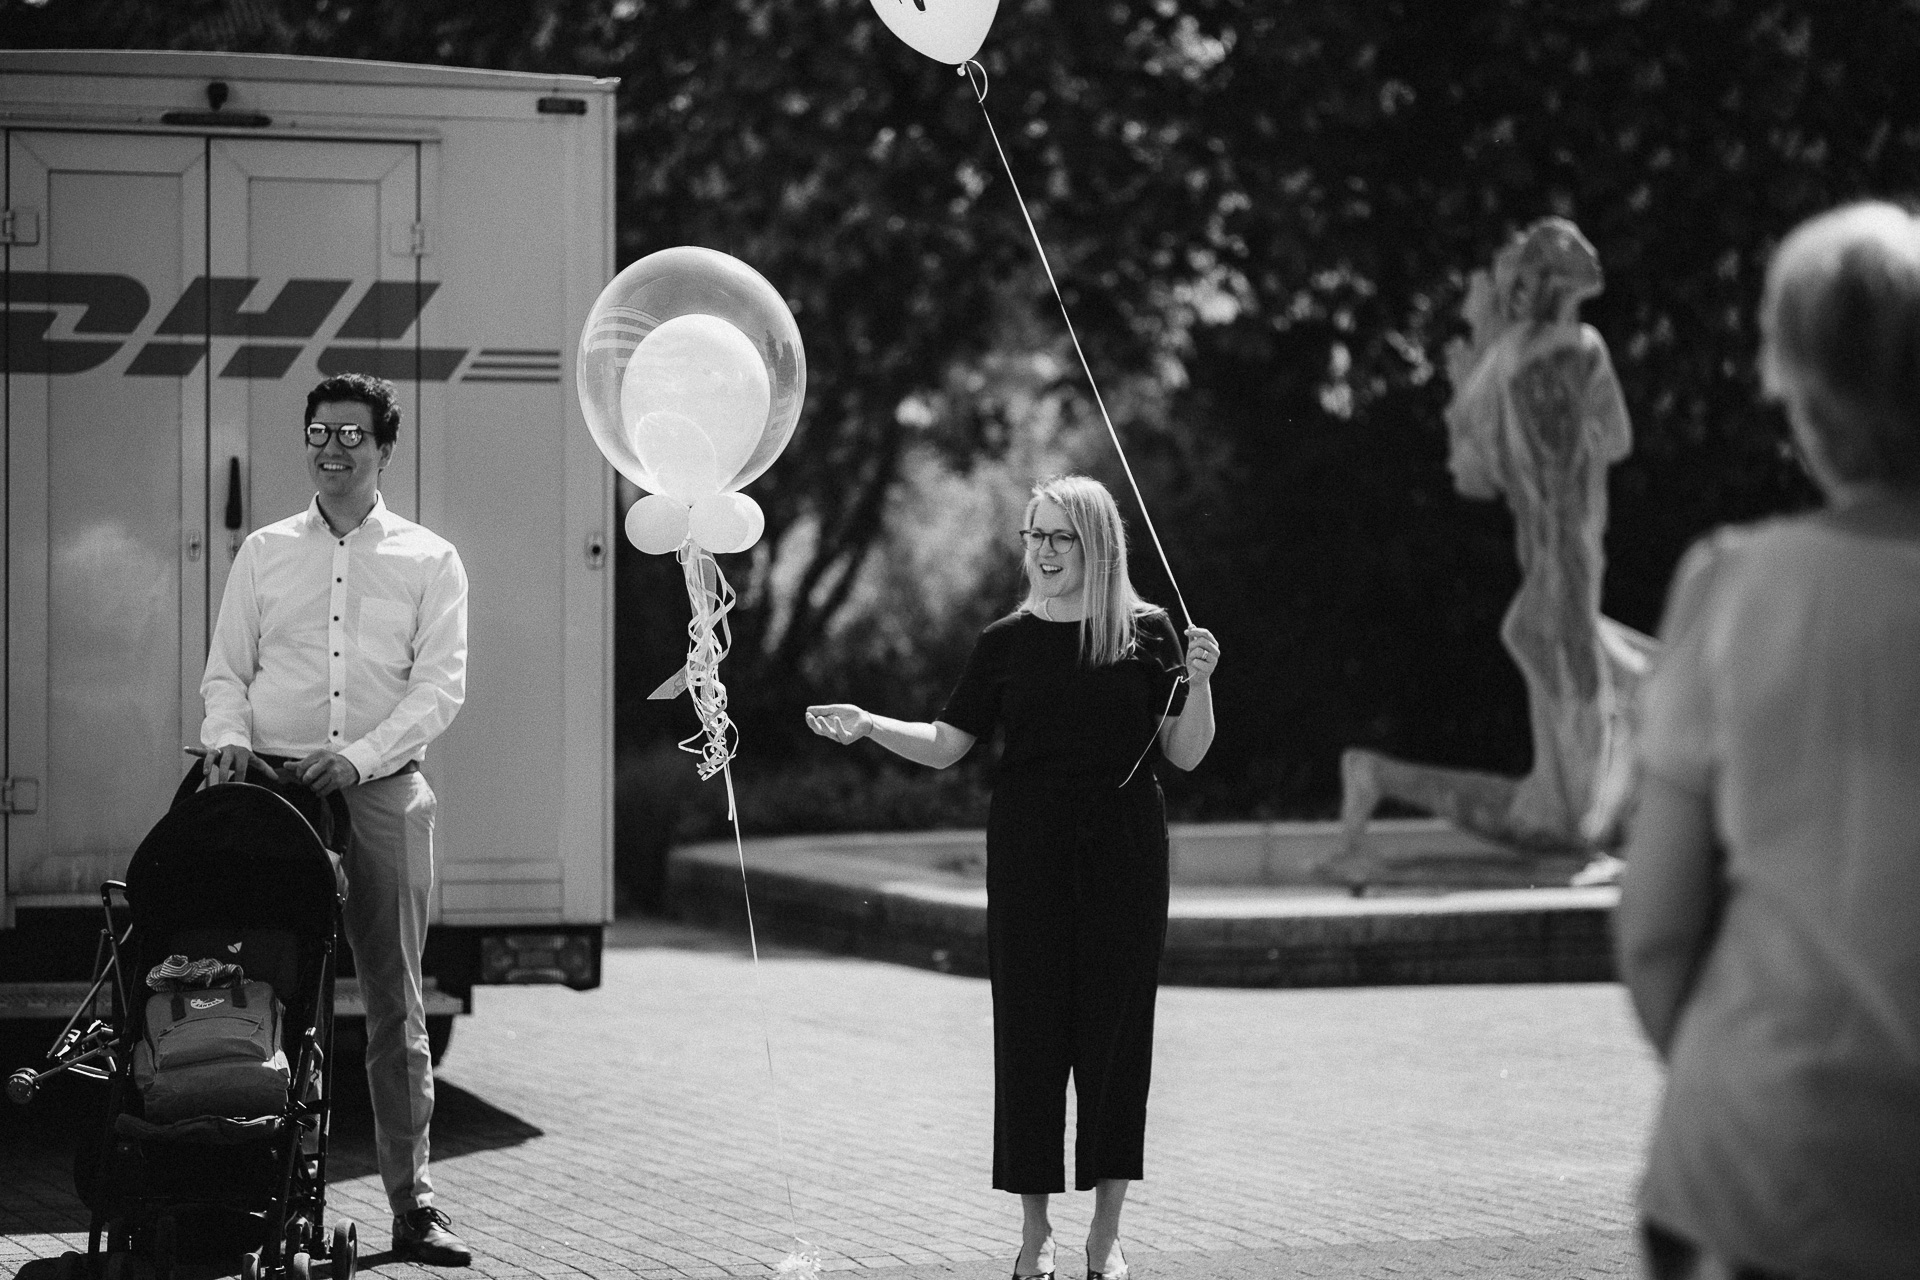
[331, 826]
[258, 773]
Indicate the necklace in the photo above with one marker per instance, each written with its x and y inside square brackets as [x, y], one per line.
[1045, 612]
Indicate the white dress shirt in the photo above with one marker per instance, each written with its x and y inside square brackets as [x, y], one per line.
[357, 643]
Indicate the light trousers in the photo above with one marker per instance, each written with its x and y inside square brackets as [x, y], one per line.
[389, 868]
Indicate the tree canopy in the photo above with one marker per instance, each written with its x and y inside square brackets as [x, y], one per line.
[1262, 214]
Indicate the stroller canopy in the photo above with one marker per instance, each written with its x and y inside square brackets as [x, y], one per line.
[236, 854]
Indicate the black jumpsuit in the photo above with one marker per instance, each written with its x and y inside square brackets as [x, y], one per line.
[1076, 889]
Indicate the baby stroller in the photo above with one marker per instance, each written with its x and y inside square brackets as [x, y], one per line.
[232, 906]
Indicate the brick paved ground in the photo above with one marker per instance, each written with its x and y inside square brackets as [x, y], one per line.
[631, 1131]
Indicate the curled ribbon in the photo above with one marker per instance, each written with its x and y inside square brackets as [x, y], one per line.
[709, 638]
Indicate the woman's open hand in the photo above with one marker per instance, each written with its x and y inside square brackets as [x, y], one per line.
[1203, 655]
[841, 721]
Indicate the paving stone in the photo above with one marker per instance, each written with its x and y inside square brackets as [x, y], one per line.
[635, 1131]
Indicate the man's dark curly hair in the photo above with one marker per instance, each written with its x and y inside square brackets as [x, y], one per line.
[375, 393]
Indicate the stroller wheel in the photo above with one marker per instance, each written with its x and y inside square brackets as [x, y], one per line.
[301, 1268]
[345, 1255]
[250, 1266]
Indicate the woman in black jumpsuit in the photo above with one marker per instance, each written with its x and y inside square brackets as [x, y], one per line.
[1085, 681]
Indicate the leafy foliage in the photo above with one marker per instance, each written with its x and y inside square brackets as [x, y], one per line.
[1262, 214]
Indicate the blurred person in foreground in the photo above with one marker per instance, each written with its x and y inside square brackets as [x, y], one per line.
[1767, 927]
[1089, 684]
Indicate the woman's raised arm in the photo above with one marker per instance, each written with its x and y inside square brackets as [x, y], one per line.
[1184, 739]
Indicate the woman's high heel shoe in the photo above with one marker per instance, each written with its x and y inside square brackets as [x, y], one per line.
[1121, 1274]
[1018, 1274]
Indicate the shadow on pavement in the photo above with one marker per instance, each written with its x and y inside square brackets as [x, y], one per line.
[463, 1123]
[37, 1142]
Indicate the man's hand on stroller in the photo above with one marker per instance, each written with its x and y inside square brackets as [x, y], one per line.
[325, 772]
[230, 764]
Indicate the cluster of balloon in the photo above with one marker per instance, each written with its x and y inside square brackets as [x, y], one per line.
[691, 376]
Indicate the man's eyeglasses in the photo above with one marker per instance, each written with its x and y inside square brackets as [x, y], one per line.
[1061, 540]
[351, 434]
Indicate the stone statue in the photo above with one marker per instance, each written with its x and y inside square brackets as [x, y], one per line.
[1537, 418]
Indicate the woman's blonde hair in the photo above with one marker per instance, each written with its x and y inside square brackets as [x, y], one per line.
[1840, 338]
[1112, 603]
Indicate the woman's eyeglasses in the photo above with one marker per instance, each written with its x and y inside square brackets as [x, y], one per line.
[1060, 540]
[350, 434]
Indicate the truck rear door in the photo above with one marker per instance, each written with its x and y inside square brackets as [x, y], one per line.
[170, 300]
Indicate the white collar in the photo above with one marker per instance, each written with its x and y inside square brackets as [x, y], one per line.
[378, 514]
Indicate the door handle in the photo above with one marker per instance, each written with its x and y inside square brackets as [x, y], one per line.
[233, 506]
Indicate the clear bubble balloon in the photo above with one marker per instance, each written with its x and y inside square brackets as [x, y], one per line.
[651, 405]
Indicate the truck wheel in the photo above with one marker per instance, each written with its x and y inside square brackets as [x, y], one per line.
[439, 1035]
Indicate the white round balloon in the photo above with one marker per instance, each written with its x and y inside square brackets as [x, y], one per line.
[726, 522]
[657, 524]
[944, 30]
[701, 377]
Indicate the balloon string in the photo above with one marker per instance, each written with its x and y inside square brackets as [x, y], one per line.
[1164, 713]
[805, 1258]
[711, 598]
[979, 82]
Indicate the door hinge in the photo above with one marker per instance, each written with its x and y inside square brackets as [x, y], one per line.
[409, 241]
[20, 226]
[19, 795]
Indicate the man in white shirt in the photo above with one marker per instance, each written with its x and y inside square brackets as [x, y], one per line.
[340, 653]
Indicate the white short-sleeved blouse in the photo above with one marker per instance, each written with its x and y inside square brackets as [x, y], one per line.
[1789, 693]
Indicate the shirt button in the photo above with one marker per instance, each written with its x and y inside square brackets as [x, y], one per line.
[336, 617]
[336, 693]
[339, 579]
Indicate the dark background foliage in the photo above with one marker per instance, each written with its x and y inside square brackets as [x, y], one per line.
[1262, 214]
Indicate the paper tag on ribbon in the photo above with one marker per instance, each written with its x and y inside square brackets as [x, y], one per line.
[672, 687]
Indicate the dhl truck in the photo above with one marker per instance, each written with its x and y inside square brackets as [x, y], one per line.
[192, 241]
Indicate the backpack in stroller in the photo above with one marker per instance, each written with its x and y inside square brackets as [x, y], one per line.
[219, 1052]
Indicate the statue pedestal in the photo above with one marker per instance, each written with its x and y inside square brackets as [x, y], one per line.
[1411, 853]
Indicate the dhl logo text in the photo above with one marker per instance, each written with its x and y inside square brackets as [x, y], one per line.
[107, 314]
